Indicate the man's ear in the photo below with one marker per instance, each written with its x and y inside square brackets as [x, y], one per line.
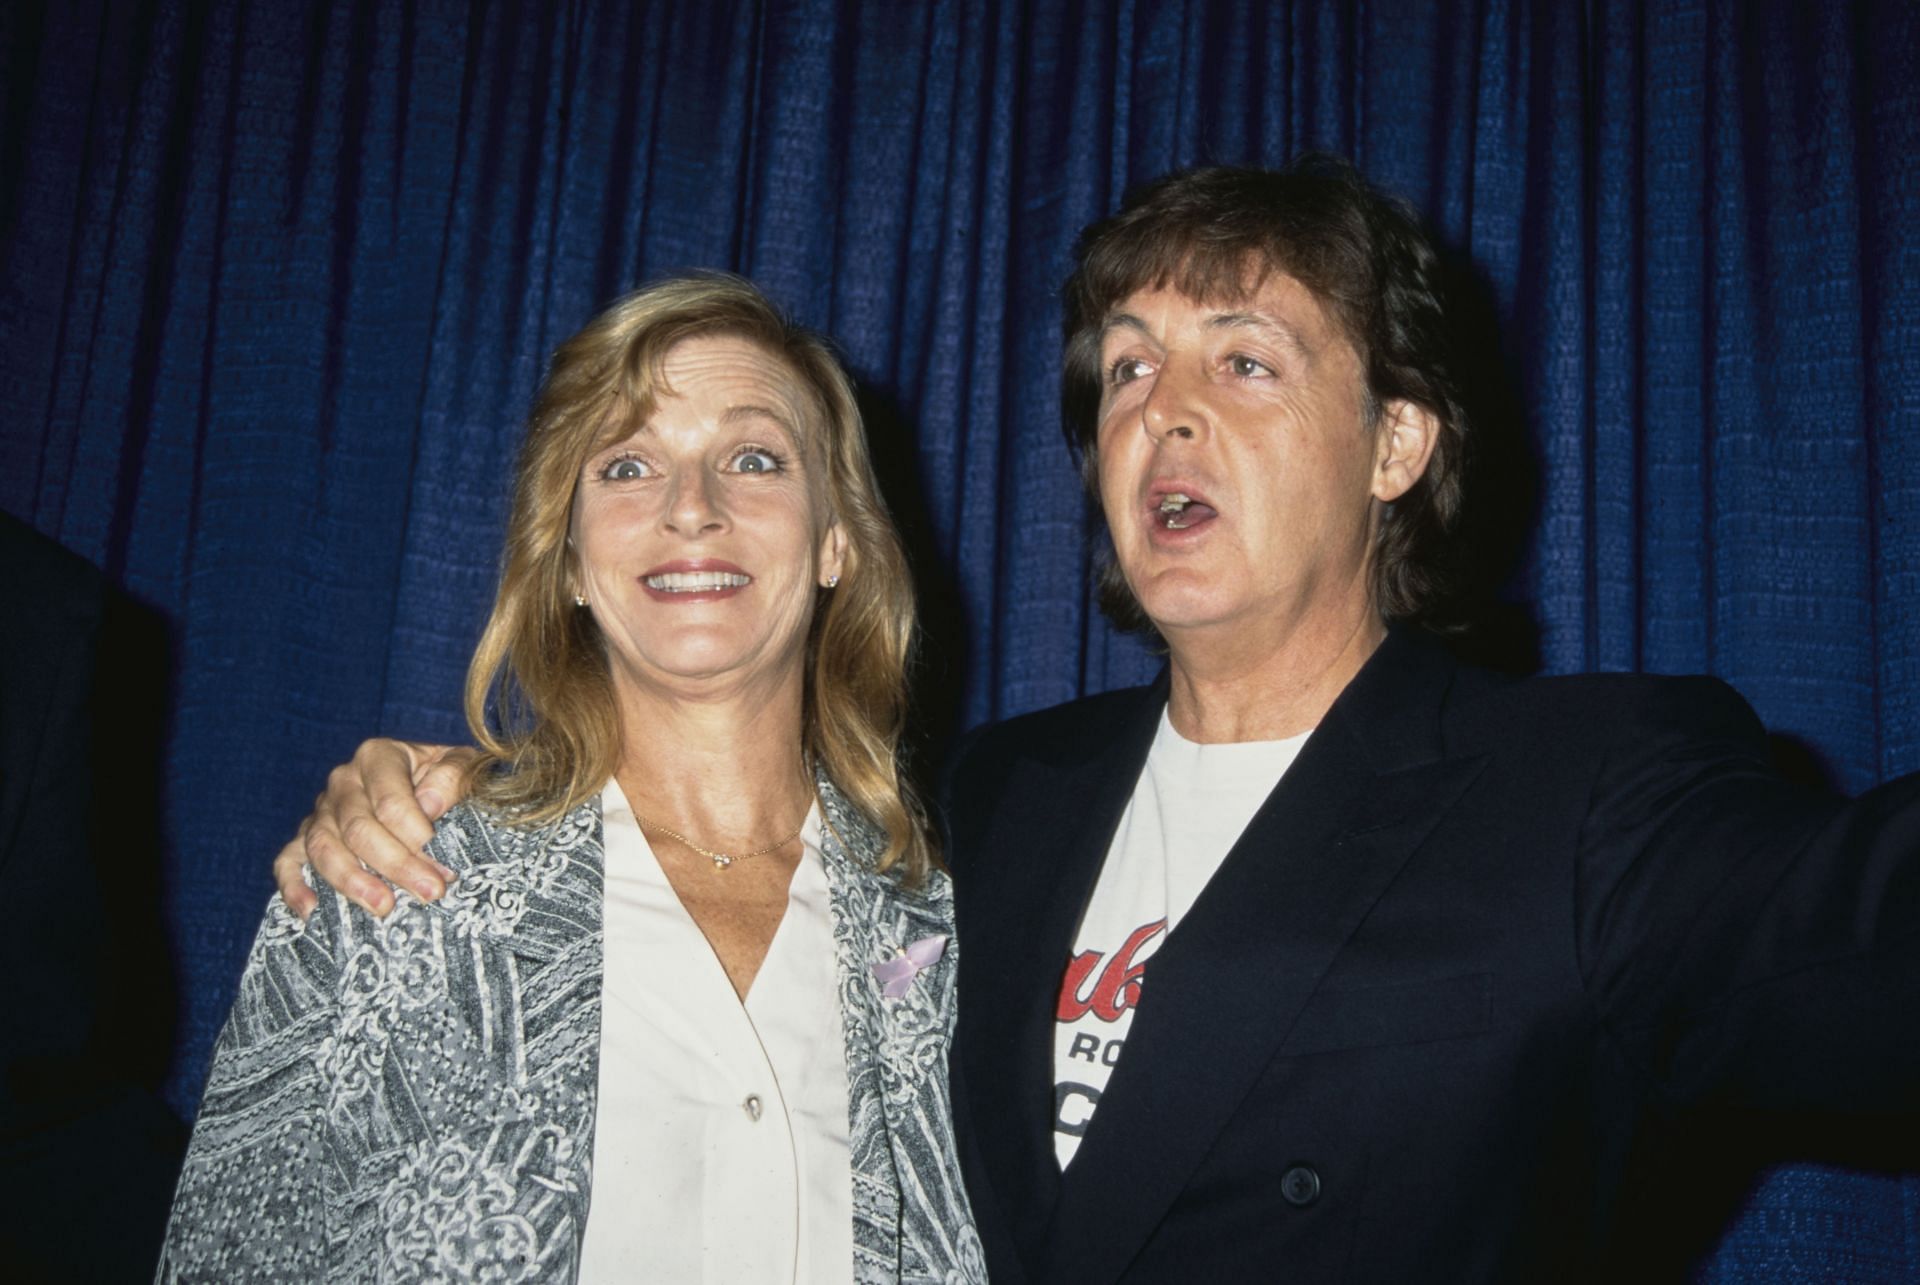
[1405, 437]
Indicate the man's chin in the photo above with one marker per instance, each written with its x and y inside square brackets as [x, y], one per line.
[1185, 612]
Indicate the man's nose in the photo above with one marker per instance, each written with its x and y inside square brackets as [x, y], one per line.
[1175, 407]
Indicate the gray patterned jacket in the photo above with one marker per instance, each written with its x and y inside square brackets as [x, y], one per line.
[413, 1099]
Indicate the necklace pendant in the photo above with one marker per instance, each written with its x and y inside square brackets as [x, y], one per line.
[721, 861]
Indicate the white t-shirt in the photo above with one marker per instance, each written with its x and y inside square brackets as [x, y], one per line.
[720, 1142]
[1188, 808]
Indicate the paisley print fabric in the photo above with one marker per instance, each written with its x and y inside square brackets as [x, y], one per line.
[911, 1220]
[412, 1099]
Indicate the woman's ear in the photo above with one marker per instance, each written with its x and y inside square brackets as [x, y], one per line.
[833, 554]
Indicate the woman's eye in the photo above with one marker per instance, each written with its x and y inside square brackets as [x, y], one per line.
[1246, 367]
[756, 462]
[1126, 370]
[624, 469]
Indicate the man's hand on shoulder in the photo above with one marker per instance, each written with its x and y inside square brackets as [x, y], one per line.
[371, 824]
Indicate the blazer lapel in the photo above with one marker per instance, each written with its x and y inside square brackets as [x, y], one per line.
[1225, 988]
[1049, 834]
[890, 1043]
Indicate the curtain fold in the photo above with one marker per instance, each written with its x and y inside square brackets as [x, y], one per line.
[280, 281]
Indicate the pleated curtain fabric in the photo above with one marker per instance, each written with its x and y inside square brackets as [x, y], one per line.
[280, 280]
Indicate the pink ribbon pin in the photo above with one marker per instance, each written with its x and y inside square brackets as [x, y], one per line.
[897, 974]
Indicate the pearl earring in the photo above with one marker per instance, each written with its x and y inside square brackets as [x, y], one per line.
[579, 600]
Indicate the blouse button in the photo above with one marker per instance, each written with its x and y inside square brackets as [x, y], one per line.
[752, 1107]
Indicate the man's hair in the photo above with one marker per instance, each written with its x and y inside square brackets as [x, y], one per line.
[1214, 234]
[539, 694]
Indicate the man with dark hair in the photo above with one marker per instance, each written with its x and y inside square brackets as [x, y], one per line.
[1327, 957]
[1373, 959]
[1213, 235]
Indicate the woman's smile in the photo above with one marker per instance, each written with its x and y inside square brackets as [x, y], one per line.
[694, 580]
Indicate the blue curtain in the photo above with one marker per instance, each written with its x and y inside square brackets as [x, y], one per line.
[279, 280]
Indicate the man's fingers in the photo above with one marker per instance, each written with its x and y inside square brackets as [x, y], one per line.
[333, 862]
[286, 873]
[399, 815]
[347, 840]
[374, 845]
[385, 781]
[371, 805]
[440, 780]
[369, 827]
[440, 777]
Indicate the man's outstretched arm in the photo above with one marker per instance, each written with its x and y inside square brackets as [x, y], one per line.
[373, 819]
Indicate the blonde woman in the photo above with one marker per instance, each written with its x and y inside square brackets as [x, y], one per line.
[683, 1012]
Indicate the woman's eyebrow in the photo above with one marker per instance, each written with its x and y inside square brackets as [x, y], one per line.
[749, 411]
[610, 443]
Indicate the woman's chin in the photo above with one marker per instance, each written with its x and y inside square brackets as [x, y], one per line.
[695, 664]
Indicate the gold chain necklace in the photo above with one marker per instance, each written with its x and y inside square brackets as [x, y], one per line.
[721, 860]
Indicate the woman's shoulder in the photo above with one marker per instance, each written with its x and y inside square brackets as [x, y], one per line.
[503, 868]
[474, 836]
[506, 867]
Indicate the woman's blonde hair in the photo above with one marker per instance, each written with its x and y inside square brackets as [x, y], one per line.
[539, 695]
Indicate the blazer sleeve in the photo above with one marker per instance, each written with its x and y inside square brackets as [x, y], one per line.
[252, 1200]
[1745, 938]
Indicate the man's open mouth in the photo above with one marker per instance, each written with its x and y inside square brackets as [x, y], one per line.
[1178, 511]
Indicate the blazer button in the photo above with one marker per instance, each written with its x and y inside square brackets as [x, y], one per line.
[1300, 1185]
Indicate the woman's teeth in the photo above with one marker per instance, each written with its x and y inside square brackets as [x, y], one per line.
[696, 581]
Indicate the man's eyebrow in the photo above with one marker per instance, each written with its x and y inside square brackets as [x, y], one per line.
[1271, 325]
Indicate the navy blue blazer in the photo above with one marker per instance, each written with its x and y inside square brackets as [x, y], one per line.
[1412, 1026]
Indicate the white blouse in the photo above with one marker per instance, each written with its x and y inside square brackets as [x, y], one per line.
[720, 1143]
